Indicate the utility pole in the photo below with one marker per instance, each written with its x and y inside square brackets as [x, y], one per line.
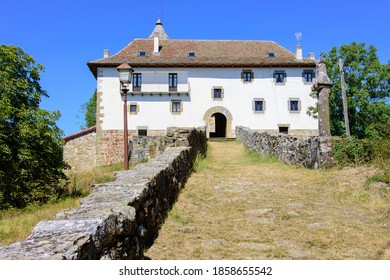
[347, 132]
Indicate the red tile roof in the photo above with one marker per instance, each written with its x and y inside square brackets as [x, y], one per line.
[208, 53]
[79, 134]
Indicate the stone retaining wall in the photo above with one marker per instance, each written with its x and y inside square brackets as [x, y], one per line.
[146, 147]
[120, 219]
[308, 151]
[91, 147]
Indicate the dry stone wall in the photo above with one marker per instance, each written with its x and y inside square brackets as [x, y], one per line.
[120, 219]
[146, 147]
[308, 151]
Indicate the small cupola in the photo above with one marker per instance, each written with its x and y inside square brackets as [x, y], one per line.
[159, 32]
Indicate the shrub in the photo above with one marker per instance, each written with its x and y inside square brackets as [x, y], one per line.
[351, 150]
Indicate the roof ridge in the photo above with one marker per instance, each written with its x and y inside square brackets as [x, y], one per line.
[212, 40]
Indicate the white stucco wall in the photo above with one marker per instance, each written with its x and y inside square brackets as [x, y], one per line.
[154, 111]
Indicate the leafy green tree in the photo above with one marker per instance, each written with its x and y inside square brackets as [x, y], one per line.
[31, 151]
[367, 90]
[88, 109]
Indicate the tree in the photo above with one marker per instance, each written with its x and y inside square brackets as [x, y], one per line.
[367, 89]
[88, 109]
[31, 154]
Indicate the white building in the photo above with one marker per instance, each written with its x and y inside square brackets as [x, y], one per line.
[219, 84]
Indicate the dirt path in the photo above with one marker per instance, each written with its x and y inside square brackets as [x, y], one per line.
[239, 207]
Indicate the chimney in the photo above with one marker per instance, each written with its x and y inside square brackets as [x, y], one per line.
[311, 56]
[106, 53]
[298, 54]
[156, 45]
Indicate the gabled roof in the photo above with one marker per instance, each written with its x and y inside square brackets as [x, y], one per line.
[206, 53]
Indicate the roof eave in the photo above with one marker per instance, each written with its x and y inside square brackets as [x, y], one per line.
[94, 65]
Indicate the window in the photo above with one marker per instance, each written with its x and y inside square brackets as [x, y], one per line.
[217, 93]
[271, 55]
[133, 108]
[142, 132]
[280, 77]
[176, 106]
[142, 53]
[283, 129]
[191, 54]
[294, 105]
[258, 105]
[137, 81]
[247, 76]
[308, 76]
[172, 81]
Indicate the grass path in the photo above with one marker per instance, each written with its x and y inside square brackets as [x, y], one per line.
[241, 206]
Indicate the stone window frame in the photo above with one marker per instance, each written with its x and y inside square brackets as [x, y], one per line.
[213, 89]
[142, 130]
[247, 73]
[132, 104]
[299, 107]
[254, 105]
[173, 109]
[283, 128]
[276, 79]
[304, 76]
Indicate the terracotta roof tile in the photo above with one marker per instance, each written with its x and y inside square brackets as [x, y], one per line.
[209, 53]
[80, 133]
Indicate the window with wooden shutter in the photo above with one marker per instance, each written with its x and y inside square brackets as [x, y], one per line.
[247, 76]
[280, 77]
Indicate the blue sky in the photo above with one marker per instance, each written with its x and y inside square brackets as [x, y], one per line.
[64, 35]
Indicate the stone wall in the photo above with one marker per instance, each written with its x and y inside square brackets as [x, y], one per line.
[118, 220]
[308, 151]
[147, 147]
[93, 147]
[109, 149]
[80, 149]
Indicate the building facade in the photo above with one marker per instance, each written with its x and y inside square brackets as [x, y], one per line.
[216, 84]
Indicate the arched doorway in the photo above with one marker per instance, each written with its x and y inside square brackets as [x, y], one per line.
[218, 121]
[219, 126]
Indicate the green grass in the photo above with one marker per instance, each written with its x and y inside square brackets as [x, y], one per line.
[79, 184]
[379, 184]
[17, 224]
[202, 162]
[175, 215]
[256, 157]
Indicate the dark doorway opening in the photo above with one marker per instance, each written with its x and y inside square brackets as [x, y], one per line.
[220, 126]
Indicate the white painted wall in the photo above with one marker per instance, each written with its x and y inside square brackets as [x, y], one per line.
[154, 111]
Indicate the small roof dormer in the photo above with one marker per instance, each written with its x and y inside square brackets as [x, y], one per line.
[159, 32]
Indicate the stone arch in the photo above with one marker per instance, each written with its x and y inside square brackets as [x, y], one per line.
[222, 110]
